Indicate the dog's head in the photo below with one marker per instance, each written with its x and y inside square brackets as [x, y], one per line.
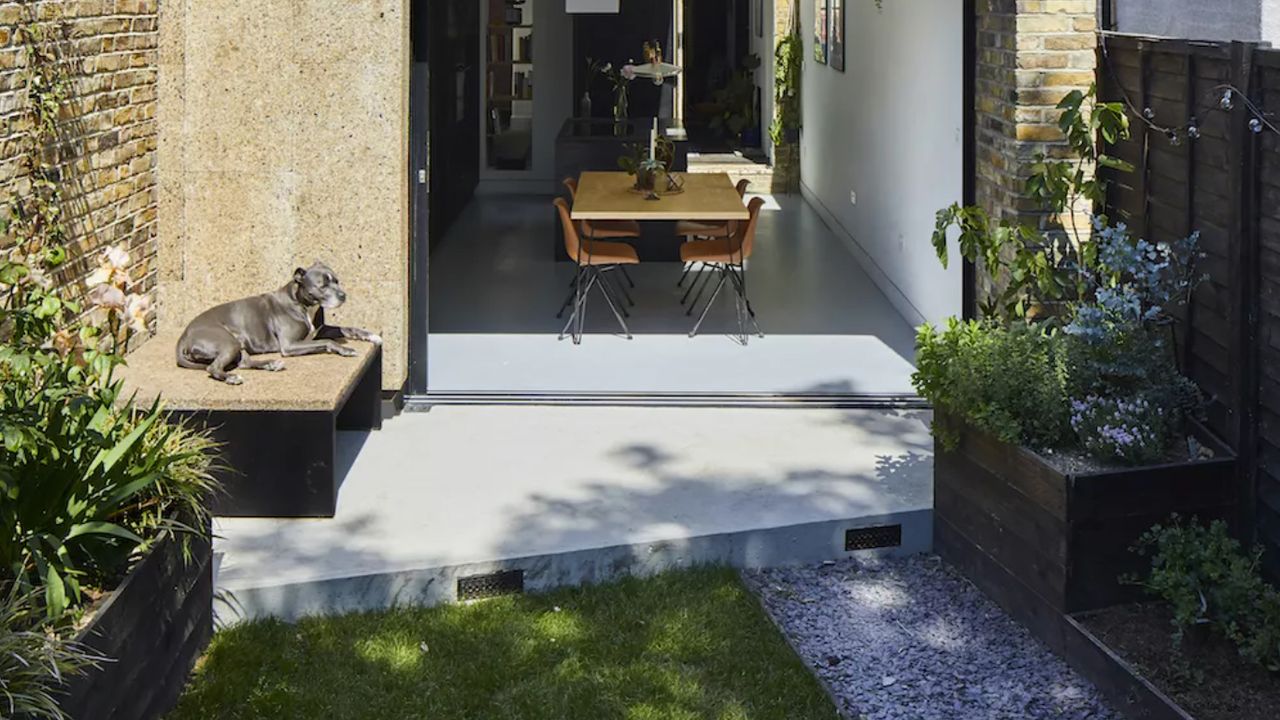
[317, 285]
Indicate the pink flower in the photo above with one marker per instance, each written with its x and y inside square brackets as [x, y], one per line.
[136, 308]
[629, 72]
[107, 296]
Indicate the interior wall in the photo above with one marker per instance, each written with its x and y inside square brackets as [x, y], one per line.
[553, 99]
[890, 129]
[285, 129]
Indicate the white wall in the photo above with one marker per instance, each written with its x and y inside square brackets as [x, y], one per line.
[1201, 19]
[764, 76]
[890, 129]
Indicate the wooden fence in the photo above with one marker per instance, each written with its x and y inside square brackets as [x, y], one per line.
[1211, 166]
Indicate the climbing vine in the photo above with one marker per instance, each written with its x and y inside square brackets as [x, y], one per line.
[788, 59]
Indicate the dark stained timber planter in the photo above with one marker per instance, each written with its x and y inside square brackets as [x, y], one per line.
[1043, 543]
[153, 627]
[1115, 678]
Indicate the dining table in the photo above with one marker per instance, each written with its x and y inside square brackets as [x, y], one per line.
[703, 197]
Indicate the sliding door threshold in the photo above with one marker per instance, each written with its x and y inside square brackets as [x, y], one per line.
[862, 401]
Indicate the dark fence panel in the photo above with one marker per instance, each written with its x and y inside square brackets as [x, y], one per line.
[1223, 180]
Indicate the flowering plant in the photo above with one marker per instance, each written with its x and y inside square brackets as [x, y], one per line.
[619, 78]
[1132, 431]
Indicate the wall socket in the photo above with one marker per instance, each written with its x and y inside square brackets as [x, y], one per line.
[853, 198]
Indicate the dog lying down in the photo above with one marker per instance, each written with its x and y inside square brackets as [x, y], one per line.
[289, 321]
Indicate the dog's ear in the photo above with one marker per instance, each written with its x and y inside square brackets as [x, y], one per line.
[298, 274]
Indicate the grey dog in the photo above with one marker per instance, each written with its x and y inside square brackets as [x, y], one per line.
[289, 321]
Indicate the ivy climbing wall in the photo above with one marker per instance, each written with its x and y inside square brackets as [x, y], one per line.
[109, 129]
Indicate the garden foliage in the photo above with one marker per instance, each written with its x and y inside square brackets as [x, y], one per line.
[88, 479]
[1208, 580]
[1089, 317]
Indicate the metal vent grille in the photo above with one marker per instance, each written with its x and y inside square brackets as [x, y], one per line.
[479, 587]
[869, 538]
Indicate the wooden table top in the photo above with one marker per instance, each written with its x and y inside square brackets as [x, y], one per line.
[706, 196]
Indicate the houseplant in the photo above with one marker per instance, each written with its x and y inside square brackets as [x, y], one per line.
[737, 103]
[1064, 428]
[92, 488]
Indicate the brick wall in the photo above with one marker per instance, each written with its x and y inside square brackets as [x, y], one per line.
[1031, 53]
[110, 185]
[786, 156]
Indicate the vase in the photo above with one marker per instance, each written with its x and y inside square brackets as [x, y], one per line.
[646, 179]
[620, 113]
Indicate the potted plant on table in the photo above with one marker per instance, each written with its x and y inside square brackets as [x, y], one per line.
[1064, 427]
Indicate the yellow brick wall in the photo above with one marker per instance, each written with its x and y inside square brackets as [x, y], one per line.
[110, 185]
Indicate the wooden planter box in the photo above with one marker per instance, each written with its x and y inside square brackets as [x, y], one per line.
[1115, 678]
[1042, 543]
[153, 627]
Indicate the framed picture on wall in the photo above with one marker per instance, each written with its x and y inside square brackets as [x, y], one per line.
[820, 26]
[835, 35]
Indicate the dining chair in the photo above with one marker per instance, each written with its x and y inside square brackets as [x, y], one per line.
[605, 229]
[693, 230]
[728, 257]
[592, 258]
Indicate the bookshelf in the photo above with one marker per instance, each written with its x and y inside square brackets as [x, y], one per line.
[509, 84]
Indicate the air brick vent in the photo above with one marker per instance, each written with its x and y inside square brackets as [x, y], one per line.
[869, 538]
[480, 587]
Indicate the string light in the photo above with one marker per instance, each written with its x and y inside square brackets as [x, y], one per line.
[1224, 97]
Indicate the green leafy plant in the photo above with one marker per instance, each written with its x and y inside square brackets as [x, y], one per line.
[34, 659]
[788, 58]
[1008, 381]
[1039, 270]
[1208, 580]
[737, 100]
[87, 480]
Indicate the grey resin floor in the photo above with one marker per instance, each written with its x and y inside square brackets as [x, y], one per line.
[495, 291]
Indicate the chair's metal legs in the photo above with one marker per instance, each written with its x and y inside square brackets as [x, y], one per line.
[736, 276]
[577, 320]
[705, 310]
[627, 275]
[701, 283]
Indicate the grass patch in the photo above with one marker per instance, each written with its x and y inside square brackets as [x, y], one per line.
[689, 644]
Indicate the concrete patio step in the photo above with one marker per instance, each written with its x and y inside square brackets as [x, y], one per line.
[572, 495]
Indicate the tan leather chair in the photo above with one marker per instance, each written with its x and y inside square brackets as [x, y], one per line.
[593, 258]
[603, 229]
[727, 256]
[692, 229]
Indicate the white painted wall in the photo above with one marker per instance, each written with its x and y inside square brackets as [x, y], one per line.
[890, 129]
[1201, 20]
[763, 46]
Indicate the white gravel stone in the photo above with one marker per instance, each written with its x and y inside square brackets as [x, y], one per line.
[911, 639]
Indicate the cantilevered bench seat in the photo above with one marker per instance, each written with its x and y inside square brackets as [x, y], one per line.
[278, 429]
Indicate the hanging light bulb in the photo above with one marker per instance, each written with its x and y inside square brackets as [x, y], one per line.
[1255, 125]
[1193, 129]
[1174, 139]
[1149, 114]
[1227, 101]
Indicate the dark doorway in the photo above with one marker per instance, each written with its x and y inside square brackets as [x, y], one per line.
[717, 39]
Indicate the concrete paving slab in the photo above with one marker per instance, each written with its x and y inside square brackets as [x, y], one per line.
[575, 494]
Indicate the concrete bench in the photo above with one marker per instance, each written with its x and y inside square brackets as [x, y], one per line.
[278, 429]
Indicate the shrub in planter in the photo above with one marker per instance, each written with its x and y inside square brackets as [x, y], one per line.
[32, 659]
[89, 483]
[1065, 428]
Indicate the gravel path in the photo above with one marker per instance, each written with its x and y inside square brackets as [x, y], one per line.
[911, 639]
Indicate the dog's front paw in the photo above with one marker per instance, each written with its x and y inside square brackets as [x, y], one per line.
[234, 380]
[274, 366]
[345, 351]
[373, 338]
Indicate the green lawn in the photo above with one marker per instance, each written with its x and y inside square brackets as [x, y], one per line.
[691, 644]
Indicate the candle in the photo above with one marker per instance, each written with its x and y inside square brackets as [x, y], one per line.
[653, 141]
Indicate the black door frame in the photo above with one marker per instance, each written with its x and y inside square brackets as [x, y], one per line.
[420, 152]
